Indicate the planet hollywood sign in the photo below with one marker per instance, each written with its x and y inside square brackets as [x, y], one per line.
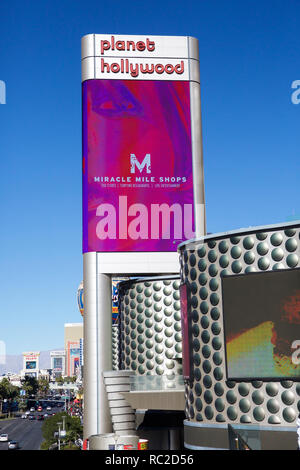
[127, 45]
[125, 66]
[134, 69]
[156, 56]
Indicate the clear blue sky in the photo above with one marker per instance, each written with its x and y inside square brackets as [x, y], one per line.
[249, 57]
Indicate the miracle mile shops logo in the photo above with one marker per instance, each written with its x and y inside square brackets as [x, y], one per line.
[166, 221]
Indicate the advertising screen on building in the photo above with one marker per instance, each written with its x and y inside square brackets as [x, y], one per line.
[262, 325]
[138, 181]
[76, 363]
[115, 298]
[30, 364]
[137, 146]
[57, 363]
[74, 358]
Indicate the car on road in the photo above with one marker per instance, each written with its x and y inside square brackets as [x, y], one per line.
[13, 445]
[40, 408]
[40, 417]
[27, 412]
[46, 415]
[48, 408]
[31, 417]
[24, 416]
[3, 437]
[32, 410]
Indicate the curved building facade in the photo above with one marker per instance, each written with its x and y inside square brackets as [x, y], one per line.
[265, 407]
[150, 341]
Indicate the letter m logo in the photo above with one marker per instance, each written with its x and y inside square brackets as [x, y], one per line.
[145, 163]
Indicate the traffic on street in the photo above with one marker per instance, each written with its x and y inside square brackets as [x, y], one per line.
[24, 432]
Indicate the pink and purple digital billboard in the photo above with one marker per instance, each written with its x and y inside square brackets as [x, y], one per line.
[137, 160]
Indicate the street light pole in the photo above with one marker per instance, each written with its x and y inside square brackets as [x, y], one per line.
[59, 424]
[64, 419]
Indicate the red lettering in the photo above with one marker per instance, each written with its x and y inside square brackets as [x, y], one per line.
[159, 68]
[104, 46]
[169, 68]
[150, 45]
[134, 71]
[120, 45]
[130, 44]
[140, 46]
[134, 68]
[126, 45]
[179, 68]
[145, 68]
[115, 68]
[103, 66]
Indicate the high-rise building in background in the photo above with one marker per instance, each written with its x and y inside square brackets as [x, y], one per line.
[58, 363]
[73, 335]
[30, 364]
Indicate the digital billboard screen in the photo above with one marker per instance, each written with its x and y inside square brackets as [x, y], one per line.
[30, 364]
[261, 314]
[74, 359]
[76, 363]
[137, 165]
[57, 363]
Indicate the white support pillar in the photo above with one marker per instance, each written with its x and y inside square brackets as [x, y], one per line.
[198, 170]
[97, 346]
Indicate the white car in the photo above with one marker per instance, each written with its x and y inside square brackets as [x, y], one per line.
[48, 408]
[12, 445]
[27, 412]
[3, 437]
[32, 410]
[24, 416]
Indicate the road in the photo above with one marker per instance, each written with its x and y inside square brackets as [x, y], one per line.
[27, 432]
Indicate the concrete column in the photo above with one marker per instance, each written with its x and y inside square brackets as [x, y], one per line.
[97, 346]
[198, 170]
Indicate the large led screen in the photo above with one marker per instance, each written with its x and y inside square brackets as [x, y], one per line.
[137, 165]
[57, 363]
[30, 364]
[74, 359]
[262, 325]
